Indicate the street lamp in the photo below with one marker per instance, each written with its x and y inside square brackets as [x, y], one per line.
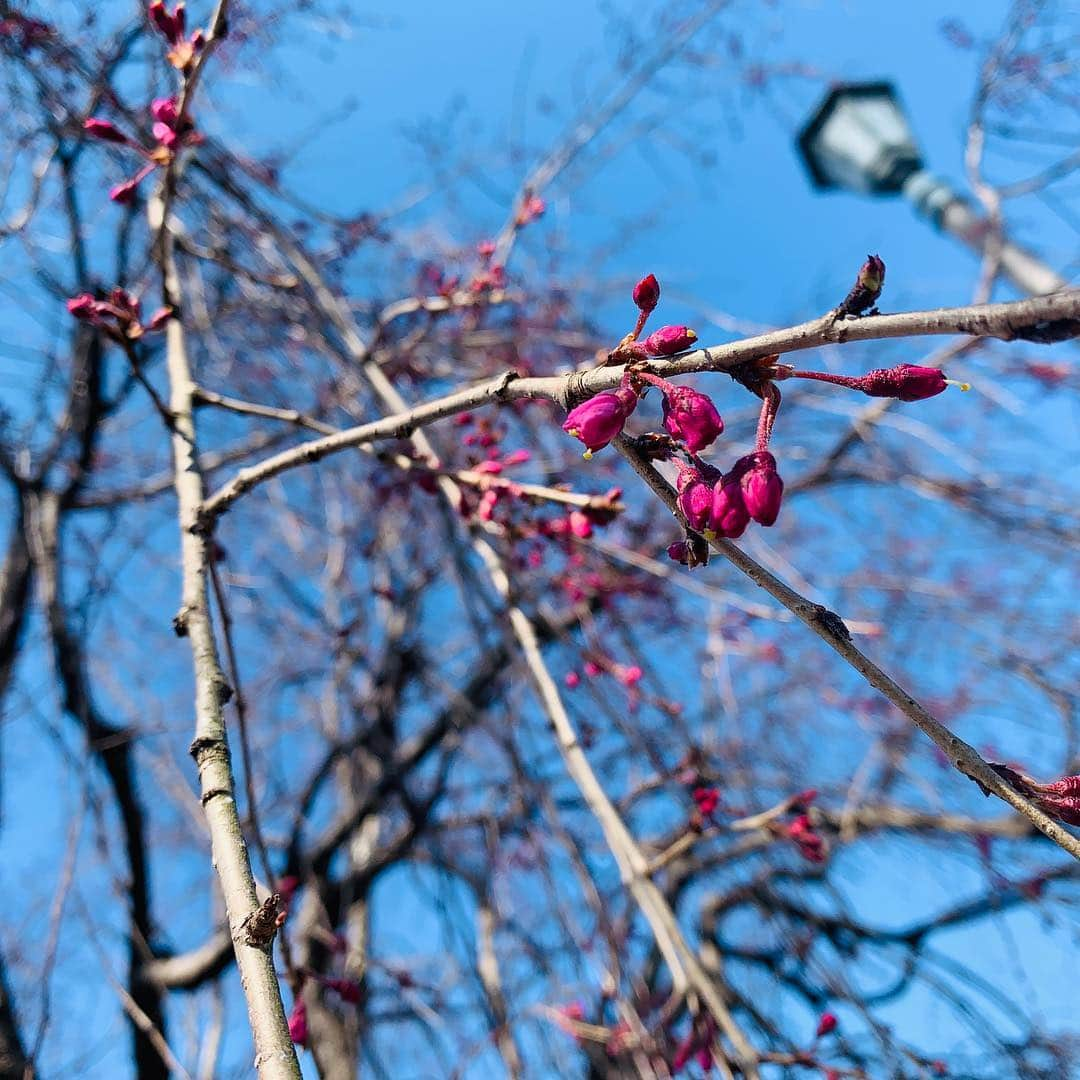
[859, 140]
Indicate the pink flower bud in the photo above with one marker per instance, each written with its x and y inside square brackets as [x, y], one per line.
[669, 340]
[572, 680]
[826, 1025]
[597, 421]
[630, 676]
[729, 516]
[164, 110]
[908, 382]
[164, 134]
[695, 497]
[679, 552]
[104, 130]
[762, 488]
[691, 417]
[83, 306]
[580, 525]
[164, 22]
[592, 669]
[647, 293]
[298, 1029]
[707, 799]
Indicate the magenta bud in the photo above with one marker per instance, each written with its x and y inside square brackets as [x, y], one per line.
[762, 488]
[580, 525]
[907, 382]
[826, 1025]
[164, 134]
[104, 130]
[298, 1028]
[695, 497]
[164, 110]
[83, 306]
[597, 421]
[647, 293]
[729, 515]
[163, 21]
[669, 340]
[679, 552]
[691, 417]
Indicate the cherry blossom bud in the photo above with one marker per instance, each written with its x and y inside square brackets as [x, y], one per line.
[580, 525]
[907, 382]
[592, 669]
[669, 340]
[679, 552]
[707, 799]
[164, 22]
[597, 421]
[164, 110]
[729, 516]
[630, 676]
[298, 1029]
[762, 488]
[826, 1025]
[691, 417]
[572, 680]
[83, 306]
[647, 293]
[104, 130]
[695, 497]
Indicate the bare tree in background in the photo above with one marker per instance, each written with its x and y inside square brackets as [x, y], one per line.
[508, 763]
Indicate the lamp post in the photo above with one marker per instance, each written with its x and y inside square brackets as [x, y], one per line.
[859, 140]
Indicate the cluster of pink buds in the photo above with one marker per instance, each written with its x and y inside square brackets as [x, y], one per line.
[119, 315]
[172, 27]
[170, 130]
[690, 417]
[723, 504]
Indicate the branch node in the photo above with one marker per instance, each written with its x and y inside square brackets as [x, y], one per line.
[831, 622]
[260, 927]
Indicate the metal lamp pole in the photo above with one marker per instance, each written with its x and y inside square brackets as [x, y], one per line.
[859, 140]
